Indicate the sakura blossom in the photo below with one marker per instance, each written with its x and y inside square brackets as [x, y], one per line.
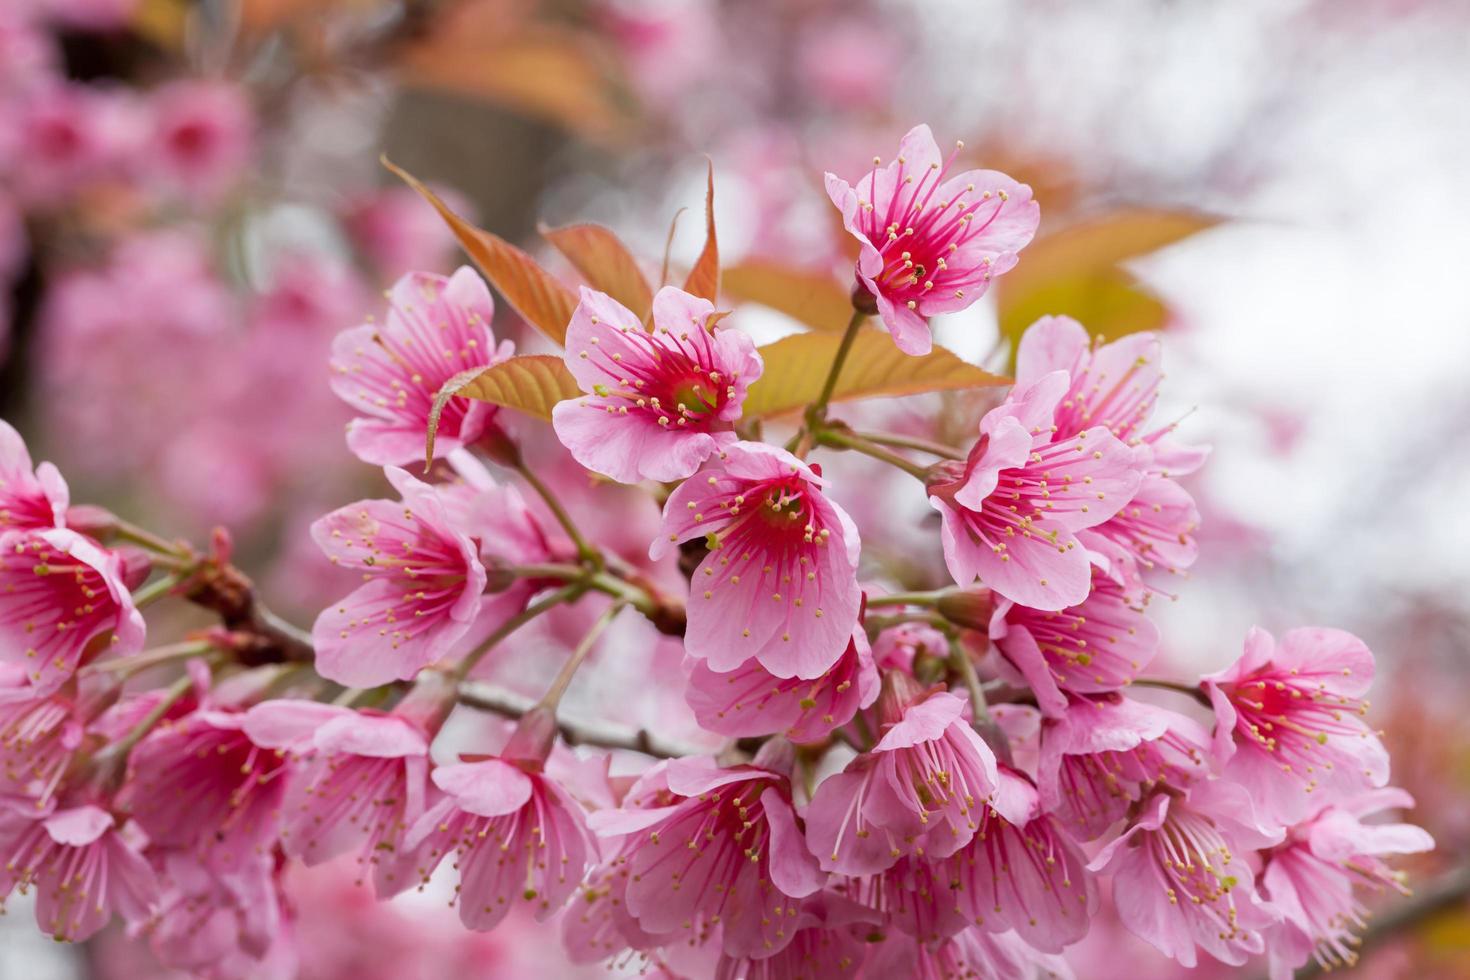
[30, 496]
[659, 402]
[1012, 511]
[931, 242]
[779, 584]
[1288, 719]
[422, 580]
[436, 328]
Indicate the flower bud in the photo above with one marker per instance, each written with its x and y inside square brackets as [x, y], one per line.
[970, 608]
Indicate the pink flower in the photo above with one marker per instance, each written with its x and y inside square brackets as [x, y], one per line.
[1022, 872]
[1288, 720]
[200, 784]
[726, 851]
[1012, 511]
[81, 868]
[973, 953]
[1181, 878]
[659, 403]
[931, 245]
[436, 328]
[1116, 385]
[922, 789]
[30, 496]
[423, 580]
[65, 604]
[1100, 756]
[1097, 646]
[516, 836]
[749, 700]
[202, 135]
[358, 784]
[827, 942]
[395, 230]
[215, 924]
[896, 647]
[1309, 879]
[38, 737]
[779, 584]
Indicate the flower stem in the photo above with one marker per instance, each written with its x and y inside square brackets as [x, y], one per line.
[982, 721]
[846, 440]
[817, 413]
[1177, 688]
[911, 442]
[127, 666]
[567, 593]
[906, 599]
[146, 539]
[585, 550]
[553, 694]
[119, 750]
[155, 590]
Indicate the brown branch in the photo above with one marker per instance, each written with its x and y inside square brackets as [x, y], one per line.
[486, 697]
[252, 632]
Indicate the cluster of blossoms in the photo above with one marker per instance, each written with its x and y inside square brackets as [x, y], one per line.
[936, 783]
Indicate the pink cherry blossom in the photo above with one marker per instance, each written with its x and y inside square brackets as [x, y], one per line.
[1012, 511]
[359, 781]
[914, 896]
[202, 136]
[200, 784]
[1182, 878]
[1098, 645]
[749, 700]
[436, 327]
[726, 851]
[80, 866]
[922, 788]
[38, 737]
[1288, 720]
[658, 403]
[1310, 878]
[1022, 872]
[30, 496]
[779, 584]
[827, 942]
[930, 244]
[516, 837]
[66, 603]
[896, 647]
[972, 953]
[1101, 755]
[216, 924]
[395, 229]
[422, 584]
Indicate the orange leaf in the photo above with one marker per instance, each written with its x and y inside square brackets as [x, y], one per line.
[812, 298]
[704, 278]
[604, 262]
[533, 292]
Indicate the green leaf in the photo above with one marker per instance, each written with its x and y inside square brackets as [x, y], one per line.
[530, 383]
[796, 366]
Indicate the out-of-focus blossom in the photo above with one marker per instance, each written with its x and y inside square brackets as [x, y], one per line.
[1289, 720]
[218, 924]
[395, 229]
[930, 244]
[779, 584]
[424, 580]
[436, 327]
[89, 15]
[660, 403]
[202, 137]
[1012, 510]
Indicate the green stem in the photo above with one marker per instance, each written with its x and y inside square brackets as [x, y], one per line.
[127, 666]
[553, 694]
[817, 413]
[846, 440]
[982, 722]
[912, 442]
[176, 690]
[906, 599]
[146, 539]
[566, 593]
[877, 624]
[155, 590]
[586, 551]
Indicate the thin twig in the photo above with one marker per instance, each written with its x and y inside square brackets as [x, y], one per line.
[913, 442]
[585, 550]
[1177, 688]
[847, 440]
[487, 697]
